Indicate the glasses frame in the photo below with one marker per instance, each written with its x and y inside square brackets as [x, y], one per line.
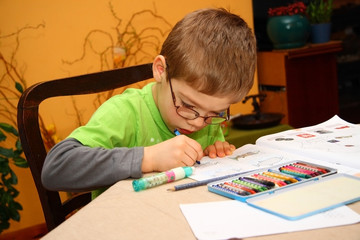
[197, 115]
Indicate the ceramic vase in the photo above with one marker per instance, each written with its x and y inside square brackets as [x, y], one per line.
[288, 31]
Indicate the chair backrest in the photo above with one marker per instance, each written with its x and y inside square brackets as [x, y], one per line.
[55, 211]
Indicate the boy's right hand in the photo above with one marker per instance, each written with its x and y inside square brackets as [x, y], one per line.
[176, 152]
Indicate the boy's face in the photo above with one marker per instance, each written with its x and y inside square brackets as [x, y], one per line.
[186, 96]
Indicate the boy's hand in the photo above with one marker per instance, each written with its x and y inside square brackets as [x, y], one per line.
[219, 149]
[176, 152]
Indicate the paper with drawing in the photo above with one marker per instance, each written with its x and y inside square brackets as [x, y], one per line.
[335, 143]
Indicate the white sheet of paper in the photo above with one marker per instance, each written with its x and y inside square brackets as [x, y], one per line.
[231, 218]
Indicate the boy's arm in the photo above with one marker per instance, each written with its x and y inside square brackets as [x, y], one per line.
[71, 166]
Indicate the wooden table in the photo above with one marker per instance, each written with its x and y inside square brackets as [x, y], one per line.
[121, 213]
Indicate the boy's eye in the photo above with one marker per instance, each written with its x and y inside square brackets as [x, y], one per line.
[184, 104]
[220, 114]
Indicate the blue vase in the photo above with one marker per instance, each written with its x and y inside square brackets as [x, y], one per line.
[320, 33]
[288, 31]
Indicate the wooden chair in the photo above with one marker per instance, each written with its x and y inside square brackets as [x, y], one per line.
[55, 211]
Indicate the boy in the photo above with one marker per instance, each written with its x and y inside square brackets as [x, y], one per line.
[206, 63]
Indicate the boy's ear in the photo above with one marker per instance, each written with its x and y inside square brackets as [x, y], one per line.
[159, 68]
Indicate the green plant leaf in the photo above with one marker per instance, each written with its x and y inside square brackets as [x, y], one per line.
[4, 160]
[13, 178]
[21, 162]
[16, 205]
[2, 136]
[14, 214]
[13, 192]
[18, 145]
[8, 128]
[4, 212]
[6, 198]
[8, 186]
[17, 153]
[320, 11]
[6, 152]
[4, 225]
[19, 87]
[4, 169]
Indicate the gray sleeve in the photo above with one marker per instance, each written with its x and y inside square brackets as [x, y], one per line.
[71, 166]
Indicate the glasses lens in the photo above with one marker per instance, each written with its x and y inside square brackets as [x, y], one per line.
[215, 120]
[187, 113]
[191, 114]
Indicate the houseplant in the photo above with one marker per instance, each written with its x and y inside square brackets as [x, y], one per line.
[9, 207]
[287, 26]
[319, 13]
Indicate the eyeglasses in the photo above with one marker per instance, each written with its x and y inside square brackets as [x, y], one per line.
[191, 114]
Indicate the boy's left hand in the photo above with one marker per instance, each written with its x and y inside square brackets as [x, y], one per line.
[219, 149]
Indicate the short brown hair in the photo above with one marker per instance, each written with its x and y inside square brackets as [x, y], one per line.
[213, 50]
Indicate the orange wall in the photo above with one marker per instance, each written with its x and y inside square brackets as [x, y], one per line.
[66, 24]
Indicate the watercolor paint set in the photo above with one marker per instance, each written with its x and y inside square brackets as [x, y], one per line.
[292, 190]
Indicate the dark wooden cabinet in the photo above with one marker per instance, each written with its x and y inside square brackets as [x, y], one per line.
[301, 83]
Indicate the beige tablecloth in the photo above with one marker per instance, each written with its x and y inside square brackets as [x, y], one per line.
[121, 213]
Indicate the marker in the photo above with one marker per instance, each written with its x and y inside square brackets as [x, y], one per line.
[291, 172]
[234, 188]
[267, 184]
[277, 176]
[231, 189]
[201, 183]
[245, 188]
[279, 182]
[323, 170]
[255, 187]
[285, 176]
[299, 170]
[177, 133]
[161, 178]
[318, 172]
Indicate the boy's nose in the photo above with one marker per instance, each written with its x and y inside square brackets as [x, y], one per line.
[198, 122]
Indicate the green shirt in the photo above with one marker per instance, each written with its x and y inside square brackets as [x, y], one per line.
[132, 119]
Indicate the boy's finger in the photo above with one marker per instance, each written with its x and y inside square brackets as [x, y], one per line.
[210, 151]
[220, 151]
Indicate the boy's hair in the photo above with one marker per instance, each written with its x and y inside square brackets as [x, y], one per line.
[214, 51]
